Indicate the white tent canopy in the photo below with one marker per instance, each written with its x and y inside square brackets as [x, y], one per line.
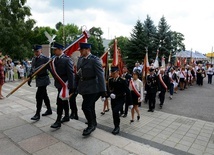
[189, 54]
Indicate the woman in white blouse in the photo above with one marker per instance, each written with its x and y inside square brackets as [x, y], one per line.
[136, 88]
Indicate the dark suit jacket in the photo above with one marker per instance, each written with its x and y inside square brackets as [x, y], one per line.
[91, 75]
[42, 78]
[64, 68]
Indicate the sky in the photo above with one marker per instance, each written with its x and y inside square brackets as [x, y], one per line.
[193, 18]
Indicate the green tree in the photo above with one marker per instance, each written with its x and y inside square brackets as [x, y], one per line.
[71, 31]
[136, 45]
[58, 25]
[177, 41]
[150, 33]
[164, 38]
[16, 28]
[39, 35]
[96, 40]
[122, 43]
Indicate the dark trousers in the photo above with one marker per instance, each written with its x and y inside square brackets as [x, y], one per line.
[88, 107]
[162, 97]
[116, 105]
[152, 100]
[126, 107]
[61, 105]
[41, 94]
[73, 103]
[171, 88]
[210, 78]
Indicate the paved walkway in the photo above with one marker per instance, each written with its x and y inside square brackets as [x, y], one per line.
[155, 133]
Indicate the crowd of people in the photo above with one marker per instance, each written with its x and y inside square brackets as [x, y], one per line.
[124, 91]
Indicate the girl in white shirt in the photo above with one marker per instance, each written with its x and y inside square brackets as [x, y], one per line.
[136, 88]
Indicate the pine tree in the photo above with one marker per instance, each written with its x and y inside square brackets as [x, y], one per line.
[164, 38]
[150, 36]
[136, 45]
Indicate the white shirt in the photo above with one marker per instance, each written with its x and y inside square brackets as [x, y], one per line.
[210, 71]
[138, 85]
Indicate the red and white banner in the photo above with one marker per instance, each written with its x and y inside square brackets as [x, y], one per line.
[64, 93]
[145, 65]
[115, 54]
[75, 45]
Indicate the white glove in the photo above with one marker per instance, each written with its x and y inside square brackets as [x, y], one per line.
[159, 92]
[113, 96]
[145, 92]
[103, 99]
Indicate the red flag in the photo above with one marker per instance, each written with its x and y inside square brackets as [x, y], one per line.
[145, 65]
[115, 54]
[120, 62]
[104, 59]
[75, 45]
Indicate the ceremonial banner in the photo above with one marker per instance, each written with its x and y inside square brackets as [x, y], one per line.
[145, 65]
[75, 45]
[115, 54]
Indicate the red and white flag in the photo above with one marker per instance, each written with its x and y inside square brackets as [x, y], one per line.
[115, 54]
[145, 65]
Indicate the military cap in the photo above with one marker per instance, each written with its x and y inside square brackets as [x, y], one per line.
[114, 69]
[151, 69]
[37, 47]
[57, 45]
[84, 45]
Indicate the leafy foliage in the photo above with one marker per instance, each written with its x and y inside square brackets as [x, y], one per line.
[16, 28]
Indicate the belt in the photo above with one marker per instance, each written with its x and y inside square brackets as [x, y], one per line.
[87, 78]
[42, 75]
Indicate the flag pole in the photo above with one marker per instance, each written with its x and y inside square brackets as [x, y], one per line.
[26, 80]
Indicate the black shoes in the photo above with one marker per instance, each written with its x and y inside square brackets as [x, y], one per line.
[65, 119]
[161, 106]
[125, 115]
[116, 130]
[131, 121]
[107, 110]
[36, 117]
[102, 113]
[48, 112]
[56, 125]
[138, 118]
[150, 110]
[74, 116]
[88, 130]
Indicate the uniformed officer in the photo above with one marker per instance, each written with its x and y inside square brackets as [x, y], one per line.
[127, 77]
[42, 81]
[91, 84]
[151, 88]
[62, 70]
[119, 91]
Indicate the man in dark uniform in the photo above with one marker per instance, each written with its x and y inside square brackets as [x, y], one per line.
[119, 91]
[62, 70]
[91, 84]
[127, 77]
[151, 88]
[163, 82]
[42, 81]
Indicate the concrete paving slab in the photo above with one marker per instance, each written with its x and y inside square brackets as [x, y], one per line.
[22, 132]
[37, 142]
[58, 149]
[112, 150]
[8, 148]
[8, 123]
